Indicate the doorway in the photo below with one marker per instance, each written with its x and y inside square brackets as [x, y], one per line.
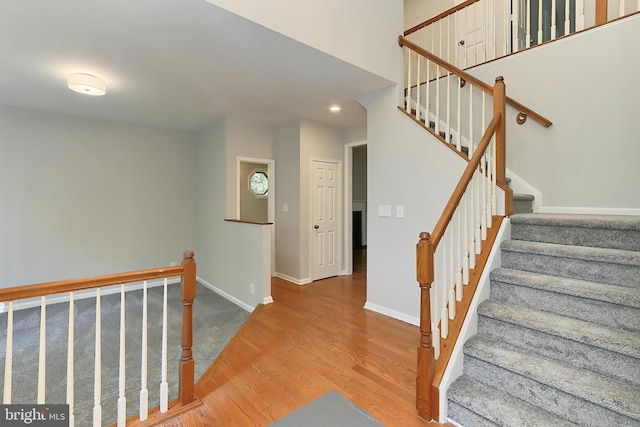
[355, 213]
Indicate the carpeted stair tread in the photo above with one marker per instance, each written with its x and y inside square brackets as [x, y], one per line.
[616, 397]
[497, 408]
[613, 256]
[604, 231]
[615, 340]
[576, 287]
[523, 197]
[612, 266]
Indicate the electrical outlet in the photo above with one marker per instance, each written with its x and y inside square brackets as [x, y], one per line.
[252, 289]
[172, 263]
[384, 210]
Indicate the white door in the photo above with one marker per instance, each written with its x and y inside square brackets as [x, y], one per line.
[325, 220]
[471, 26]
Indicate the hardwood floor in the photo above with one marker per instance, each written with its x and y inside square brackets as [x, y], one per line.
[312, 339]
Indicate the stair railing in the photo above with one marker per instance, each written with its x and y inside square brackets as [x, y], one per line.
[67, 289]
[447, 256]
[437, 96]
[478, 31]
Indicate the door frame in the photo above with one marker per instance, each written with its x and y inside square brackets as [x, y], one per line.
[347, 240]
[339, 201]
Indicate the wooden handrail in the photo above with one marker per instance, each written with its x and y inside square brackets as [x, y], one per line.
[51, 288]
[439, 17]
[458, 192]
[402, 41]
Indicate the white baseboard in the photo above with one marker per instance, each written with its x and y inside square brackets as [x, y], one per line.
[293, 280]
[583, 210]
[88, 293]
[225, 295]
[267, 300]
[412, 320]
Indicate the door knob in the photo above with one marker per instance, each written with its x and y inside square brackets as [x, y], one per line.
[316, 226]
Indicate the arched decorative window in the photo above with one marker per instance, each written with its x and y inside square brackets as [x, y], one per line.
[259, 183]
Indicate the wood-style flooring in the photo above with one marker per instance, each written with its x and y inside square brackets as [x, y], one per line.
[313, 339]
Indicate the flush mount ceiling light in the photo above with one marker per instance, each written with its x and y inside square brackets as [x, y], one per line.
[335, 108]
[87, 84]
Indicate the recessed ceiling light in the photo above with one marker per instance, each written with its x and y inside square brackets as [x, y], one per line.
[335, 108]
[87, 84]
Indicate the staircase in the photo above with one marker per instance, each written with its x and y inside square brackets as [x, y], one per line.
[558, 341]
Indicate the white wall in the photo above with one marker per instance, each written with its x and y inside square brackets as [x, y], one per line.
[360, 32]
[231, 256]
[407, 166]
[587, 86]
[287, 226]
[418, 11]
[84, 197]
[244, 139]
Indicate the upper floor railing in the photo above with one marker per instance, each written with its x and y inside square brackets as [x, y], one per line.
[478, 31]
[70, 290]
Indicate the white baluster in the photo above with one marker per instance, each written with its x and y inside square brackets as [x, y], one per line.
[528, 24]
[164, 387]
[458, 242]
[475, 28]
[97, 369]
[452, 296]
[478, 229]
[435, 334]
[465, 238]
[579, 15]
[428, 84]
[444, 322]
[408, 95]
[638, 6]
[458, 121]
[42, 360]
[494, 197]
[553, 19]
[505, 27]
[447, 136]
[567, 17]
[122, 400]
[70, 362]
[144, 392]
[621, 9]
[437, 118]
[419, 80]
[515, 34]
[540, 33]
[8, 360]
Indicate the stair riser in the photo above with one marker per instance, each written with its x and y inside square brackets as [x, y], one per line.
[600, 312]
[553, 400]
[616, 365]
[576, 268]
[593, 237]
[467, 418]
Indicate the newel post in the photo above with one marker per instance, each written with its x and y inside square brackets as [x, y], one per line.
[499, 107]
[426, 396]
[187, 363]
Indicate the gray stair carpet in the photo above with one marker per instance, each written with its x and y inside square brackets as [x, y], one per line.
[558, 340]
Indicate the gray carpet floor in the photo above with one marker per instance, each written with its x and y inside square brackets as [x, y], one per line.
[331, 409]
[215, 322]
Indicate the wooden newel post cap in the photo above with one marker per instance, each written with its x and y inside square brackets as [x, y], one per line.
[188, 255]
[425, 236]
[499, 79]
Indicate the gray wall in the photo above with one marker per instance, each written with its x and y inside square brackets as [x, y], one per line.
[587, 86]
[84, 197]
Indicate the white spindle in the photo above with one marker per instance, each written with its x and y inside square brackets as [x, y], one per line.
[451, 303]
[567, 17]
[465, 239]
[444, 316]
[483, 167]
[540, 33]
[8, 360]
[144, 392]
[459, 116]
[528, 24]
[164, 386]
[408, 95]
[472, 188]
[122, 400]
[437, 118]
[458, 243]
[42, 360]
[553, 19]
[579, 15]
[447, 136]
[494, 197]
[475, 29]
[97, 368]
[419, 81]
[505, 27]
[428, 85]
[515, 35]
[622, 9]
[70, 355]
[638, 6]
[436, 339]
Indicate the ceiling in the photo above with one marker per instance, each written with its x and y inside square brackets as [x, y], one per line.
[176, 64]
